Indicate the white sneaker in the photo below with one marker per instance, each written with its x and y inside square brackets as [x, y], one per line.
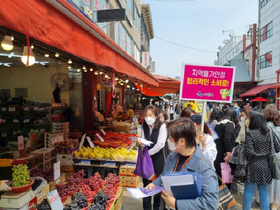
[273, 206]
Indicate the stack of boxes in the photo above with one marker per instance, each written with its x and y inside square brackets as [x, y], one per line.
[127, 177]
[59, 127]
[66, 164]
[49, 156]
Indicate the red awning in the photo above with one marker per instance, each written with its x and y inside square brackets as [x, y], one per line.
[166, 85]
[277, 85]
[254, 91]
[42, 21]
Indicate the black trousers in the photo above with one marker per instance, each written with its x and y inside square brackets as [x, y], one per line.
[147, 201]
[171, 116]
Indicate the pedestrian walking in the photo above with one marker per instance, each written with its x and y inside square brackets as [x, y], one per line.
[187, 112]
[171, 111]
[257, 150]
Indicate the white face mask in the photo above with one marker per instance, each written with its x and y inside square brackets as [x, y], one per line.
[243, 119]
[172, 146]
[150, 120]
[161, 120]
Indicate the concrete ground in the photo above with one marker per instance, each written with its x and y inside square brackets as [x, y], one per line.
[129, 203]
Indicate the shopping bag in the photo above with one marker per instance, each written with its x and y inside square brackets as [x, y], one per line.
[226, 200]
[144, 165]
[226, 173]
[274, 160]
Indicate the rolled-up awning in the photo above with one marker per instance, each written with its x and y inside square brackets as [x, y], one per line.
[61, 25]
[254, 91]
[166, 85]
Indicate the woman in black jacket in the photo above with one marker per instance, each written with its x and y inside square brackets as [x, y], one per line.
[227, 130]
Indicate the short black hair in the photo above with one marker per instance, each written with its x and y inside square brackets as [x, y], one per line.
[183, 128]
[164, 113]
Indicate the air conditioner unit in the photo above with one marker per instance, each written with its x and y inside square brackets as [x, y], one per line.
[88, 12]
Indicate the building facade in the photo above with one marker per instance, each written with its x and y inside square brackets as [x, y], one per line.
[269, 41]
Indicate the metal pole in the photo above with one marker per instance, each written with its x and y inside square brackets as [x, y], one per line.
[202, 120]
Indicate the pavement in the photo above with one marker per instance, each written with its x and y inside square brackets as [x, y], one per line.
[129, 203]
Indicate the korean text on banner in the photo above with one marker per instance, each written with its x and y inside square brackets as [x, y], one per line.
[207, 83]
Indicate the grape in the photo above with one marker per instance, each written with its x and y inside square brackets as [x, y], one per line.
[71, 206]
[101, 199]
[36, 184]
[96, 207]
[20, 175]
[44, 205]
[79, 199]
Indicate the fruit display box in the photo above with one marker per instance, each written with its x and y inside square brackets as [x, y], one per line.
[127, 171]
[48, 153]
[119, 200]
[129, 181]
[52, 184]
[34, 160]
[43, 193]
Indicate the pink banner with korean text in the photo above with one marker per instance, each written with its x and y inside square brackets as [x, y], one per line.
[207, 83]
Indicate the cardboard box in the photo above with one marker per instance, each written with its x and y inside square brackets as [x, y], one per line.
[49, 164]
[34, 160]
[127, 171]
[43, 193]
[53, 183]
[65, 159]
[119, 202]
[67, 168]
[129, 181]
[48, 153]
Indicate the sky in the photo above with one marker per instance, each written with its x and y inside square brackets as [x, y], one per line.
[196, 24]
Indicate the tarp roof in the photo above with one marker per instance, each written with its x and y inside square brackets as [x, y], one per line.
[61, 25]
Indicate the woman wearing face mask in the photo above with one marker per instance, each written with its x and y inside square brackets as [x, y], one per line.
[187, 156]
[208, 144]
[163, 116]
[154, 130]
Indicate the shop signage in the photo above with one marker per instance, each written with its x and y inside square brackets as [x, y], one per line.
[145, 59]
[207, 83]
[20, 143]
[56, 170]
[107, 83]
[153, 67]
[272, 93]
[54, 200]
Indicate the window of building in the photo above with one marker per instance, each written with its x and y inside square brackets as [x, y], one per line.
[264, 2]
[266, 60]
[128, 44]
[122, 37]
[136, 17]
[267, 31]
[129, 4]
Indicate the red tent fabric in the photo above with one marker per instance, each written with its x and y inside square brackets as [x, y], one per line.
[42, 21]
[260, 99]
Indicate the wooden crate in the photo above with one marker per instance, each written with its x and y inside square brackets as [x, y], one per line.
[43, 193]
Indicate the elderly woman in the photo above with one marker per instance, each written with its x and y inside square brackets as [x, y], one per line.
[187, 156]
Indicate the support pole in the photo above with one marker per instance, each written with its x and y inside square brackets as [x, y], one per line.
[202, 120]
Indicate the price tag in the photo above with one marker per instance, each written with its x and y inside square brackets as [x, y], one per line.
[15, 121]
[56, 170]
[12, 109]
[82, 141]
[100, 138]
[26, 108]
[28, 144]
[20, 143]
[26, 120]
[102, 130]
[90, 142]
[54, 200]
[3, 109]
[4, 135]
[36, 108]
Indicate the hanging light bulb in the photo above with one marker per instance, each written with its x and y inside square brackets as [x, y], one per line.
[126, 81]
[106, 76]
[133, 88]
[47, 55]
[7, 43]
[56, 54]
[122, 84]
[96, 72]
[84, 67]
[69, 66]
[85, 70]
[78, 70]
[70, 61]
[136, 83]
[31, 59]
[128, 86]
[32, 46]
[101, 72]
[12, 38]
[116, 78]
[91, 69]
